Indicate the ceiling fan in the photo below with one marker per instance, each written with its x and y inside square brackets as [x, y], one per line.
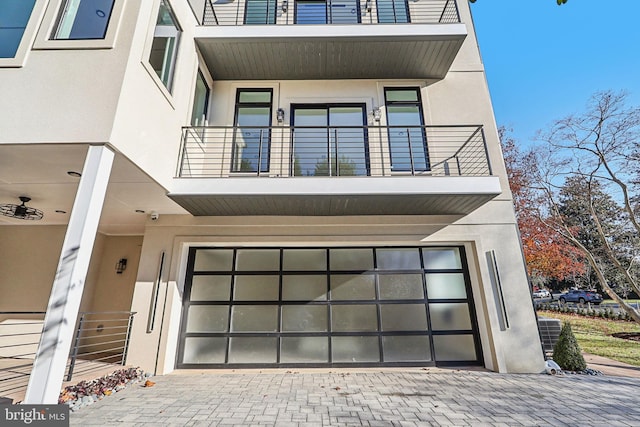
[21, 211]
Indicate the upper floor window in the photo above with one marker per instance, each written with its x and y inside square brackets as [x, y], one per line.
[14, 16]
[327, 12]
[393, 11]
[200, 102]
[164, 48]
[83, 20]
[260, 12]
[406, 132]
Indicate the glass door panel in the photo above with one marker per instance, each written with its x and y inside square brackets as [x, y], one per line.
[252, 137]
[310, 148]
[311, 12]
[335, 143]
[407, 138]
[260, 12]
[327, 12]
[393, 12]
[349, 143]
[344, 12]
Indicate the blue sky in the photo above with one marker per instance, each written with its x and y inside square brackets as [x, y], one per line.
[543, 61]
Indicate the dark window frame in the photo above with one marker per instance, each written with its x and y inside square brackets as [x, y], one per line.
[328, 106]
[417, 103]
[200, 75]
[273, 14]
[238, 105]
[395, 16]
[328, 13]
[64, 7]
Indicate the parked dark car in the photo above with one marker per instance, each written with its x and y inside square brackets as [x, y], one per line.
[580, 296]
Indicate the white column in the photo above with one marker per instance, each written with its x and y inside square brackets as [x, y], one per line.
[64, 302]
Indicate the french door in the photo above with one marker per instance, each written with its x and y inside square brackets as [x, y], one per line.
[329, 140]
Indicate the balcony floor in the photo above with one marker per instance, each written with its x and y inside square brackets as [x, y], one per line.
[332, 196]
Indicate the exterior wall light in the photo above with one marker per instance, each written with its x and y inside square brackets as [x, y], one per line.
[121, 265]
[280, 116]
[376, 114]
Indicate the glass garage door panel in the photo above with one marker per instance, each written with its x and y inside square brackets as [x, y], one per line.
[327, 306]
[406, 348]
[355, 349]
[205, 350]
[304, 350]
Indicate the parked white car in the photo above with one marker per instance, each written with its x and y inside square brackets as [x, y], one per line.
[541, 293]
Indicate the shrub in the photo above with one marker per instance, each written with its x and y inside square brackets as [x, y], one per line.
[566, 352]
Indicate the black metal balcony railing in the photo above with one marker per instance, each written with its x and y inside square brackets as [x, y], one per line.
[344, 12]
[101, 338]
[299, 151]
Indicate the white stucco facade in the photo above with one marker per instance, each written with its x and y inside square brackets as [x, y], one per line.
[62, 96]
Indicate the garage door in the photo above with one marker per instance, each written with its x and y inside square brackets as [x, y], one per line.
[250, 307]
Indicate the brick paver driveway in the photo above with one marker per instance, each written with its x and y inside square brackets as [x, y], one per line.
[403, 397]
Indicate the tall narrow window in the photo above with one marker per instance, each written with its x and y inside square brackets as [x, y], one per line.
[253, 135]
[14, 16]
[165, 44]
[83, 19]
[200, 102]
[407, 138]
[260, 12]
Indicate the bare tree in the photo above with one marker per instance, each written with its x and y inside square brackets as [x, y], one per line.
[597, 151]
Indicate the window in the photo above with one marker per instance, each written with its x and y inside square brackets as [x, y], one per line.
[329, 140]
[327, 12]
[164, 48]
[14, 16]
[83, 20]
[260, 12]
[393, 11]
[200, 102]
[407, 138]
[253, 135]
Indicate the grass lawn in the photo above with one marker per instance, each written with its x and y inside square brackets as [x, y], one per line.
[593, 335]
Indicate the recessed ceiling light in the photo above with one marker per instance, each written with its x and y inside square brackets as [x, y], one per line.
[60, 211]
[74, 174]
[139, 211]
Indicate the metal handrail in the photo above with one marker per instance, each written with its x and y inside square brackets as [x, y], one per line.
[89, 337]
[356, 12]
[19, 344]
[296, 151]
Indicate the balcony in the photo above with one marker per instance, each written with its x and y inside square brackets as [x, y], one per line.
[328, 39]
[341, 170]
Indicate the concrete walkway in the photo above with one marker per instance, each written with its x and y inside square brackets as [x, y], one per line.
[374, 397]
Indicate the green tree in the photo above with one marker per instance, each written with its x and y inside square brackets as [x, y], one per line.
[343, 167]
[566, 352]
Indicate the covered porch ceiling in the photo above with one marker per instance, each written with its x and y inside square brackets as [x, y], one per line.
[307, 52]
[40, 171]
